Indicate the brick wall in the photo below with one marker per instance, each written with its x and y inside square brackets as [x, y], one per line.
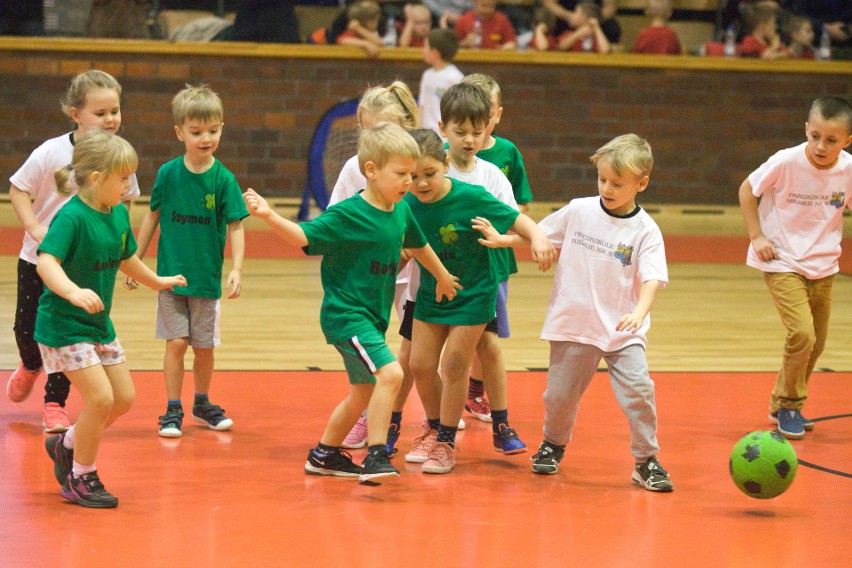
[709, 127]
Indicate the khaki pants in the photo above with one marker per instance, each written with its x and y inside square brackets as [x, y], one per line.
[805, 307]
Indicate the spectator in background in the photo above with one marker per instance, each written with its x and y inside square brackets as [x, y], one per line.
[544, 25]
[833, 15]
[495, 29]
[418, 23]
[362, 29]
[799, 33]
[762, 40]
[119, 19]
[588, 37]
[439, 53]
[22, 17]
[570, 18]
[446, 12]
[272, 21]
[658, 38]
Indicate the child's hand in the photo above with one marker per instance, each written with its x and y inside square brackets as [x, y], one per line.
[130, 283]
[256, 204]
[764, 249]
[86, 299]
[448, 287]
[234, 282]
[169, 282]
[491, 238]
[544, 253]
[630, 322]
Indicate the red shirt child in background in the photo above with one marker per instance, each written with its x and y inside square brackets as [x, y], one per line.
[544, 24]
[418, 24]
[588, 36]
[658, 38]
[800, 34]
[763, 40]
[497, 31]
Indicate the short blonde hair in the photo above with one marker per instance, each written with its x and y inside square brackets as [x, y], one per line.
[487, 83]
[384, 141]
[626, 152]
[364, 11]
[659, 8]
[96, 151]
[199, 103]
[393, 103]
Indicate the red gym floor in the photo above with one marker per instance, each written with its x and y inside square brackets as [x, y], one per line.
[242, 499]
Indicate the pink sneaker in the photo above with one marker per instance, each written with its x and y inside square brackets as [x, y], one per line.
[422, 445]
[442, 459]
[357, 437]
[55, 418]
[21, 383]
[479, 407]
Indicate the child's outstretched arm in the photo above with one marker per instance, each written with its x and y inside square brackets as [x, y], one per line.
[526, 233]
[633, 321]
[23, 206]
[238, 253]
[137, 270]
[446, 284]
[146, 233]
[50, 269]
[284, 228]
[764, 248]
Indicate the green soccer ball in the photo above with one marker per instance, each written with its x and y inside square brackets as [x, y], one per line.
[763, 464]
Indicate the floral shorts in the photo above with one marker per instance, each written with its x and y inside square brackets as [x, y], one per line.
[81, 356]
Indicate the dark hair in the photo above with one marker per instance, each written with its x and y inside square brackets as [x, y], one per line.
[833, 108]
[465, 102]
[445, 42]
[430, 143]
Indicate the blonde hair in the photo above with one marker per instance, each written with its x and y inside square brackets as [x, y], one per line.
[487, 83]
[364, 12]
[626, 152]
[384, 141]
[96, 151]
[81, 84]
[199, 103]
[393, 103]
[659, 9]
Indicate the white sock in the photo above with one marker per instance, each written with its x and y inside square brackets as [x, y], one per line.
[68, 438]
[81, 470]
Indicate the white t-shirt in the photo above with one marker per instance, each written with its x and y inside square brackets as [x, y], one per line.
[349, 182]
[801, 212]
[601, 268]
[490, 177]
[36, 178]
[433, 84]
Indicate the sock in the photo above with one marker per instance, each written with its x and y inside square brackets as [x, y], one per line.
[499, 417]
[68, 439]
[364, 414]
[475, 388]
[380, 449]
[447, 434]
[174, 405]
[433, 423]
[81, 470]
[324, 449]
[201, 399]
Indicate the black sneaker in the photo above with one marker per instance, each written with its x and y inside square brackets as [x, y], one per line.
[88, 491]
[212, 416]
[652, 476]
[376, 465]
[171, 422]
[338, 463]
[61, 456]
[546, 460]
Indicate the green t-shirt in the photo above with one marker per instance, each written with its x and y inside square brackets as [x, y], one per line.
[447, 225]
[360, 246]
[506, 156]
[195, 210]
[91, 246]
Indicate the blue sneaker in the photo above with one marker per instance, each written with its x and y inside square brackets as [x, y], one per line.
[807, 423]
[393, 436]
[790, 424]
[506, 441]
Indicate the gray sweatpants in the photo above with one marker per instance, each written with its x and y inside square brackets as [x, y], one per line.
[572, 366]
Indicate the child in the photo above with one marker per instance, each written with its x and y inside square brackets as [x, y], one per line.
[439, 52]
[612, 264]
[762, 40]
[89, 240]
[361, 240]
[418, 23]
[448, 334]
[800, 32]
[588, 36]
[544, 24]
[793, 210]
[658, 38]
[93, 102]
[196, 201]
[485, 27]
[362, 29]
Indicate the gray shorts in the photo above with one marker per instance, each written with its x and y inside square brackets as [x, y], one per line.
[188, 316]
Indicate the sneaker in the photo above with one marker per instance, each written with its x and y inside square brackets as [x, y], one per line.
[376, 466]
[55, 418]
[171, 422]
[357, 436]
[88, 491]
[212, 415]
[791, 424]
[337, 463]
[393, 436]
[506, 441]
[62, 457]
[479, 407]
[422, 445]
[546, 460]
[807, 424]
[21, 383]
[652, 476]
[442, 458]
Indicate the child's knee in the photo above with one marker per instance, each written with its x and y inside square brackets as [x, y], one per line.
[800, 339]
[122, 403]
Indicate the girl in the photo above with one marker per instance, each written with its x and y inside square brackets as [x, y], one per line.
[92, 102]
[88, 241]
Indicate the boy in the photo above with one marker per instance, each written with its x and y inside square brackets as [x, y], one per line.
[588, 36]
[800, 33]
[196, 201]
[485, 27]
[793, 209]
[612, 264]
[762, 40]
[438, 52]
[360, 239]
[658, 38]
[418, 23]
[361, 30]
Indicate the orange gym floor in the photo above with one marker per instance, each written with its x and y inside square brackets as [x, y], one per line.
[241, 498]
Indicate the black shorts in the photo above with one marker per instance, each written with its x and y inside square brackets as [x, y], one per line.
[408, 321]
